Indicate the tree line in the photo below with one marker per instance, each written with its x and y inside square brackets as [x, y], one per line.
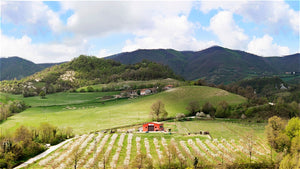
[8, 108]
[284, 138]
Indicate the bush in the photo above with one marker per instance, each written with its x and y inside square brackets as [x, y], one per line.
[17, 106]
[42, 94]
[180, 116]
[193, 107]
[90, 89]
[82, 90]
[223, 110]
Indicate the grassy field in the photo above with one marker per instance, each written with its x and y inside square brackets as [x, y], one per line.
[219, 128]
[64, 98]
[85, 113]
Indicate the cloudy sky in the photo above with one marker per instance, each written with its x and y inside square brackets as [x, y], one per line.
[59, 31]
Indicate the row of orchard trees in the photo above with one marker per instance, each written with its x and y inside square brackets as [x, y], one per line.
[284, 138]
[27, 142]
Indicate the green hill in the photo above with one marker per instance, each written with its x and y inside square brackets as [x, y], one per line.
[93, 114]
[216, 64]
[84, 71]
[16, 67]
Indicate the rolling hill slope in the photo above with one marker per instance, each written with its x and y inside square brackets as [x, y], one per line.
[93, 114]
[215, 64]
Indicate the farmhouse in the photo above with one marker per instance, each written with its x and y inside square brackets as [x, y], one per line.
[153, 126]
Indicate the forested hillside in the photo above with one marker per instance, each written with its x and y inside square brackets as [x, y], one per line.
[216, 64]
[16, 67]
[83, 71]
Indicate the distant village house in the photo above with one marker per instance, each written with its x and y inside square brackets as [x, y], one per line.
[168, 87]
[145, 91]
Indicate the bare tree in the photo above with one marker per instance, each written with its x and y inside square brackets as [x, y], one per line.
[158, 110]
[249, 143]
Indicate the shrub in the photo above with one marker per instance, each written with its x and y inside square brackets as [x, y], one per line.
[193, 107]
[180, 116]
[90, 89]
[42, 94]
[223, 110]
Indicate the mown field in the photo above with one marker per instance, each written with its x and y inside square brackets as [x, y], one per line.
[219, 128]
[86, 112]
[120, 150]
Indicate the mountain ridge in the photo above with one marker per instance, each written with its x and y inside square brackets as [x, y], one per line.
[17, 67]
[215, 64]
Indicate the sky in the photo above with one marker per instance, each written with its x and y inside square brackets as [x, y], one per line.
[56, 31]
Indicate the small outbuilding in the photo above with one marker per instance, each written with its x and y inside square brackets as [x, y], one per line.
[153, 126]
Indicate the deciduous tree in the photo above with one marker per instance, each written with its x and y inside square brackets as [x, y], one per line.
[193, 107]
[158, 110]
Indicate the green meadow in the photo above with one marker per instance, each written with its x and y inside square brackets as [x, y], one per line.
[86, 112]
[63, 98]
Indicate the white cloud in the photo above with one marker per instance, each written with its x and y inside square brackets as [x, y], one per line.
[174, 32]
[264, 46]
[103, 17]
[230, 35]
[33, 15]
[274, 14]
[103, 53]
[43, 52]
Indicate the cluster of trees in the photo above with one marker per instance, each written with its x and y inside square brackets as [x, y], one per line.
[222, 110]
[248, 110]
[284, 138]
[27, 142]
[8, 108]
[279, 108]
[259, 92]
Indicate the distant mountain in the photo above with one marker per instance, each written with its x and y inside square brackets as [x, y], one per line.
[216, 64]
[16, 67]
